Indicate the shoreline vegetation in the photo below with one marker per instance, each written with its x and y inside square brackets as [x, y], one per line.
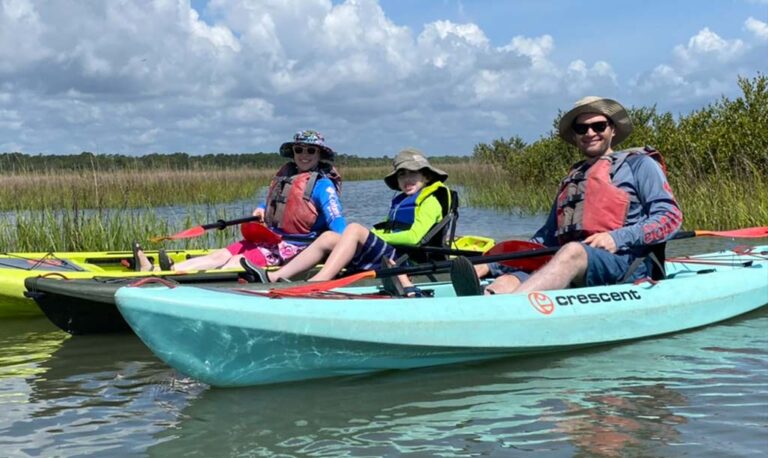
[717, 160]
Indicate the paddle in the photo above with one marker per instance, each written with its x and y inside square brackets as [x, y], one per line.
[257, 232]
[197, 231]
[321, 286]
[260, 233]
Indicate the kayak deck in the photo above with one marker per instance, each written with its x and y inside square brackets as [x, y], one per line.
[16, 267]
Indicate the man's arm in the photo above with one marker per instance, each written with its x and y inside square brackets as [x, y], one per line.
[660, 218]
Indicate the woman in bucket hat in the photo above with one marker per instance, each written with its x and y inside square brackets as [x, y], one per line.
[422, 201]
[302, 201]
[611, 215]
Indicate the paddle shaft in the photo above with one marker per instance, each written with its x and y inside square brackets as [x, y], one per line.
[221, 224]
[442, 266]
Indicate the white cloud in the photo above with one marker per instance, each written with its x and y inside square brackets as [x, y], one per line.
[707, 45]
[705, 68]
[140, 76]
[759, 28]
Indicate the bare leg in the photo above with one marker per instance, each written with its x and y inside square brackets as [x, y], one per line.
[233, 262]
[503, 284]
[568, 264]
[146, 266]
[308, 258]
[482, 270]
[354, 236]
[210, 261]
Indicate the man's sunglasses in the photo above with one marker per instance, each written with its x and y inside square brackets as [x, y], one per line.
[597, 127]
[301, 149]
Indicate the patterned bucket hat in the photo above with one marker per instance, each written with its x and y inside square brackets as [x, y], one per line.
[308, 138]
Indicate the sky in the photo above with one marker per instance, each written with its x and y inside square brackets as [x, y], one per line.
[374, 76]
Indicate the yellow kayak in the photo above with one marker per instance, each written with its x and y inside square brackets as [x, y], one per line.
[16, 267]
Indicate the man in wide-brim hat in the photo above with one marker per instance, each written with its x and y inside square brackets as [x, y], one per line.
[611, 216]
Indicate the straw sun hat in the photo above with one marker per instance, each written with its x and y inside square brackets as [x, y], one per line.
[600, 105]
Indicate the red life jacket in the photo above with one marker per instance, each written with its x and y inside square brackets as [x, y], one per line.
[589, 203]
[289, 198]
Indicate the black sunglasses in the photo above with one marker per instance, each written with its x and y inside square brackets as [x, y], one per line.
[301, 149]
[597, 127]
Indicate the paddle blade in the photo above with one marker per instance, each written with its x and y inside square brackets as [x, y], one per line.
[259, 233]
[320, 286]
[528, 264]
[192, 232]
[747, 232]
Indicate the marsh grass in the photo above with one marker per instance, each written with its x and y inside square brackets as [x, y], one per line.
[80, 230]
[126, 189]
[86, 211]
[708, 203]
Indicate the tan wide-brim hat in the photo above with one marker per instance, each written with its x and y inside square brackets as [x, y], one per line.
[600, 105]
[414, 160]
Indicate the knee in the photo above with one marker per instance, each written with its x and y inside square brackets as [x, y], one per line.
[572, 252]
[356, 230]
[222, 255]
[328, 239]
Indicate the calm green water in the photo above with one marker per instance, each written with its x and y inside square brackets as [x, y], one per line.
[700, 393]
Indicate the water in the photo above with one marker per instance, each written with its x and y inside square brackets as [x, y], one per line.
[700, 393]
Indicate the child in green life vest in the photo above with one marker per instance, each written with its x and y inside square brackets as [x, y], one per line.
[422, 202]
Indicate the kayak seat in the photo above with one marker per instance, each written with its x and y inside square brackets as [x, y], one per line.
[441, 234]
[656, 257]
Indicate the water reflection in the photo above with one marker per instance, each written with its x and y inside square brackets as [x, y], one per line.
[89, 395]
[649, 398]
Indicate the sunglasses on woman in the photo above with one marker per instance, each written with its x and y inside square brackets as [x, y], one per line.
[302, 149]
[597, 127]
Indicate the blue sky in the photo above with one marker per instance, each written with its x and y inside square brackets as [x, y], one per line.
[234, 76]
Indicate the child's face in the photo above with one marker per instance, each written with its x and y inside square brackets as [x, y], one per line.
[410, 182]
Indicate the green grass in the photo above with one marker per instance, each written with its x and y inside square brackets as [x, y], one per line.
[45, 218]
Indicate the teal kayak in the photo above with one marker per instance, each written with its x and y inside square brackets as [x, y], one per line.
[226, 337]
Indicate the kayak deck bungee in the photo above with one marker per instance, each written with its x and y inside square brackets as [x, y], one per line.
[235, 338]
[16, 267]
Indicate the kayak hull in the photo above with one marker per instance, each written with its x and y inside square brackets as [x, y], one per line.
[87, 306]
[231, 338]
[15, 268]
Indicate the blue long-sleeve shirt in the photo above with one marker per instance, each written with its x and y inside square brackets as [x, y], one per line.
[653, 215]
